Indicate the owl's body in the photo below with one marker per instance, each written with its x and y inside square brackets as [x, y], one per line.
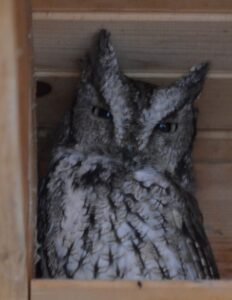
[118, 200]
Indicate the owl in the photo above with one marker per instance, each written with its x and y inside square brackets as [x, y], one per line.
[118, 201]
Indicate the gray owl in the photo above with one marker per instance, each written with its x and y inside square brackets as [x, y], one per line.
[118, 201]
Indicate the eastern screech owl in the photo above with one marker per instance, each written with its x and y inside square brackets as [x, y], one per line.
[118, 201]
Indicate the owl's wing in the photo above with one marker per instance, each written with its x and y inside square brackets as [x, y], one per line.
[51, 192]
[197, 240]
[42, 225]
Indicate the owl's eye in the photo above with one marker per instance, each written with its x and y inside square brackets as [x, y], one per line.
[166, 127]
[101, 113]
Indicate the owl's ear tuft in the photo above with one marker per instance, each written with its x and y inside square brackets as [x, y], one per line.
[104, 41]
[192, 83]
[105, 56]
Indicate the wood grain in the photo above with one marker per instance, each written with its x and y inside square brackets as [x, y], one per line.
[14, 141]
[214, 193]
[27, 115]
[128, 290]
[212, 150]
[215, 105]
[140, 44]
[133, 6]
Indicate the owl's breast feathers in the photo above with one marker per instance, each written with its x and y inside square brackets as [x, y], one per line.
[100, 219]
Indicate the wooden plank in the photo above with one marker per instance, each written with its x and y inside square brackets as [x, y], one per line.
[215, 105]
[128, 290]
[134, 6]
[14, 141]
[212, 150]
[214, 193]
[27, 119]
[148, 43]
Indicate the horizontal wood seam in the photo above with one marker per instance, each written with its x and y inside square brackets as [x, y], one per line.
[40, 73]
[133, 16]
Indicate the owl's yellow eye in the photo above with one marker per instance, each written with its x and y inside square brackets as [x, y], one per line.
[101, 113]
[166, 127]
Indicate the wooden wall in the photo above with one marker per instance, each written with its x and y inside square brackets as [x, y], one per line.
[155, 41]
[15, 128]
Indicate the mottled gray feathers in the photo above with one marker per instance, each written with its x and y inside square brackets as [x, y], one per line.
[118, 200]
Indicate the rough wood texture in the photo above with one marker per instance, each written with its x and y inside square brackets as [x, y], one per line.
[158, 43]
[14, 141]
[129, 5]
[214, 194]
[211, 148]
[27, 115]
[102, 290]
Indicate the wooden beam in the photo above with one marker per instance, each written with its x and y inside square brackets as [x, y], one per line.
[27, 120]
[161, 42]
[14, 113]
[133, 6]
[129, 290]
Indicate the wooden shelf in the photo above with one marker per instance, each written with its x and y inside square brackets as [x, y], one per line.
[15, 152]
[127, 290]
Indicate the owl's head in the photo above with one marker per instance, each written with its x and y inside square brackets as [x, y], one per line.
[131, 120]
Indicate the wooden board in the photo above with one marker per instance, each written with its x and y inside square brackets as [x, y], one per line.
[214, 194]
[126, 290]
[149, 43]
[27, 122]
[14, 141]
[212, 147]
[135, 6]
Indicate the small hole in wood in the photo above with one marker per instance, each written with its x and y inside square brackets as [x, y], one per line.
[42, 89]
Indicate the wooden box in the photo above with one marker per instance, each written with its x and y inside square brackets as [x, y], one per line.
[155, 41]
